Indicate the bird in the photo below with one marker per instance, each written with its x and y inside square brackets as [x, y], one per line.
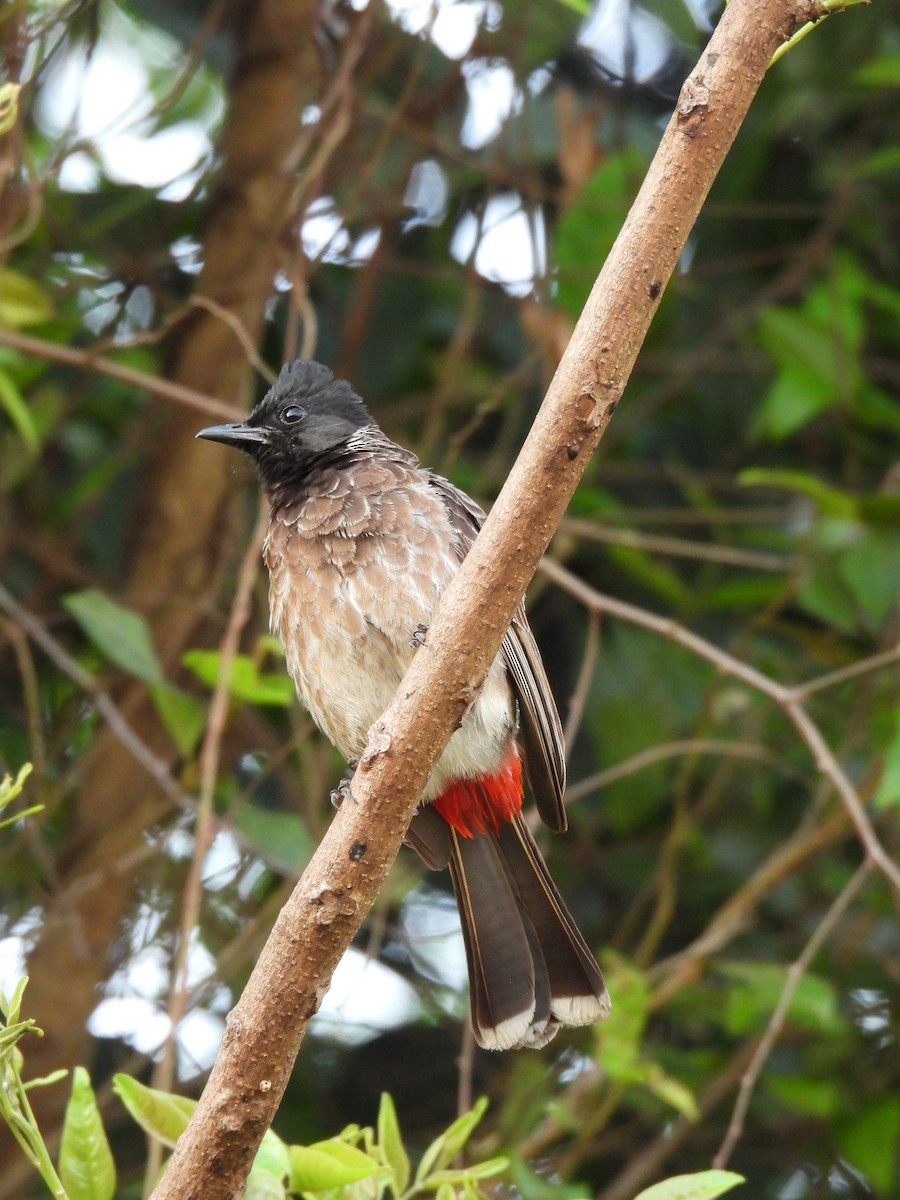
[361, 543]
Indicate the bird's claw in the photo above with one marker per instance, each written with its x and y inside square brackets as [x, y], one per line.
[343, 791]
[418, 638]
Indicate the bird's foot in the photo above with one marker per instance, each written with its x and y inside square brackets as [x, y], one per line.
[343, 791]
[418, 638]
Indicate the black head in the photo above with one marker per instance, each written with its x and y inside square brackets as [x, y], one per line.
[305, 414]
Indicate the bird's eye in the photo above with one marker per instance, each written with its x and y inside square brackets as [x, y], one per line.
[292, 414]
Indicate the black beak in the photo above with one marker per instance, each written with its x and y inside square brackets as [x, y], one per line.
[242, 436]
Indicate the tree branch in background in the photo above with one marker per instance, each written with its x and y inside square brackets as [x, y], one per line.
[265, 1029]
[787, 698]
[120, 729]
[205, 827]
[98, 364]
[796, 971]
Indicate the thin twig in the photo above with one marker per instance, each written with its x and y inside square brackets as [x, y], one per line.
[826, 9]
[644, 1166]
[583, 682]
[676, 749]
[334, 115]
[783, 696]
[465, 1094]
[205, 824]
[240, 331]
[37, 747]
[735, 914]
[301, 315]
[152, 763]
[87, 360]
[652, 543]
[698, 516]
[873, 663]
[796, 971]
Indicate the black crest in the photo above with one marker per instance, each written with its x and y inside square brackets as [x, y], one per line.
[305, 415]
[312, 386]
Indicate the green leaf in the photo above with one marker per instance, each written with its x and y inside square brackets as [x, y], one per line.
[878, 510]
[183, 716]
[705, 1185]
[870, 568]
[829, 500]
[879, 411]
[824, 595]
[795, 397]
[757, 988]
[871, 1142]
[883, 161]
[793, 337]
[888, 793]
[816, 349]
[883, 71]
[22, 301]
[589, 501]
[813, 1097]
[671, 1091]
[273, 1155]
[533, 1186]
[280, 837]
[122, 635]
[482, 1170]
[579, 6]
[391, 1145]
[244, 679]
[262, 1185]
[445, 1148]
[329, 1164]
[587, 228]
[158, 1113]
[13, 403]
[11, 788]
[86, 1164]
[651, 573]
[366, 1189]
[46, 1080]
[746, 592]
[11, 1006]
[9, 106]
[620, 1035]
[20, 816]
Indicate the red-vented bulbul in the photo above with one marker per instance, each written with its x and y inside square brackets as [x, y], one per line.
[361, 543]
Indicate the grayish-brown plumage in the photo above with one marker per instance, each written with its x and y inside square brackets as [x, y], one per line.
[362, 542]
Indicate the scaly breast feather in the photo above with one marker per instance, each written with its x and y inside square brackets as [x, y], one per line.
[347, 596]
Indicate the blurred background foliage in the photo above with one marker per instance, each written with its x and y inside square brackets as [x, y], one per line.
[420, 194]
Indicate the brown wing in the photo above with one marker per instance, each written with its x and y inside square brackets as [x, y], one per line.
[540, 731]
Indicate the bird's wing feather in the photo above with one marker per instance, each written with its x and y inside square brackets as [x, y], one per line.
[541, 732]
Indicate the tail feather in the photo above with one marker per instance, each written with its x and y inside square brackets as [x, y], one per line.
[578, 995]
[505, 975]
[530, 970]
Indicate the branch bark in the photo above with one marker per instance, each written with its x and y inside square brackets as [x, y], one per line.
[265, 1029]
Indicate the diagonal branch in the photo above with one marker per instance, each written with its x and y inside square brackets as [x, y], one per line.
[265, 1029]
